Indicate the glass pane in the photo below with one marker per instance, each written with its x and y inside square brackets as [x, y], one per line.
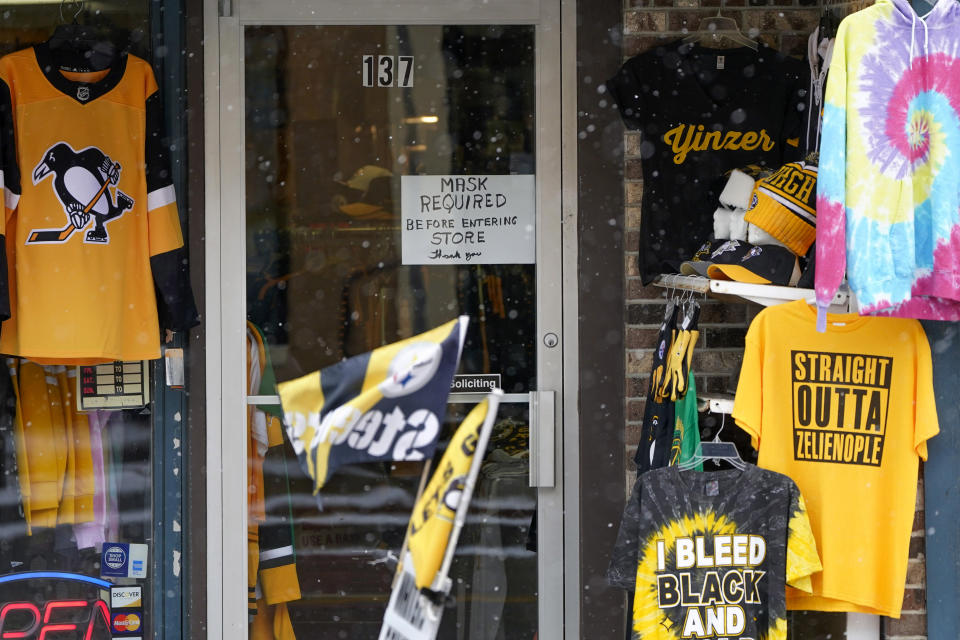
[70, 480]
[73, 482]
[325, 155]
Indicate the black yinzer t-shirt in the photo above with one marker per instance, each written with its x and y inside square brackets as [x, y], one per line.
[709, 554]
[701, 113]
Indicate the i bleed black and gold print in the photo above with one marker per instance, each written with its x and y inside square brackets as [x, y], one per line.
[712, 553]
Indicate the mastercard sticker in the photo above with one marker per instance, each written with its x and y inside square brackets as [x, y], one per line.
[126, 622]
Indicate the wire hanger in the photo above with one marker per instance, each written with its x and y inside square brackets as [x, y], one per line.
[76, 13]
[715, 450]
[82, 47]
[717, 27]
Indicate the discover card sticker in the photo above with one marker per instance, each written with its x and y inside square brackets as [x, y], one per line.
[126, 597]
[468, 219]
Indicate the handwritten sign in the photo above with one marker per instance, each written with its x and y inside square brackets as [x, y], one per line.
[468, 219]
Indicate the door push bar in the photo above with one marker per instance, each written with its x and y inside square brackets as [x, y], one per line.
[542, 429]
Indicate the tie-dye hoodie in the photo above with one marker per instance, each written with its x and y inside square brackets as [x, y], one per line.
[888, 199]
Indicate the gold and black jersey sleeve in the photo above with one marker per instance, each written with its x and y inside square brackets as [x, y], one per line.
[9, 188]
[169, 264]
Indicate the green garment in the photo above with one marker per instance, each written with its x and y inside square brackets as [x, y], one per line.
[686, 431]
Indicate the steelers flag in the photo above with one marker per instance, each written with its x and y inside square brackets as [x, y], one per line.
[384, 405]
[433, 515]
[414, 609]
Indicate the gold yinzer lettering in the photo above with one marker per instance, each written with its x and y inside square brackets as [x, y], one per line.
[685, 138]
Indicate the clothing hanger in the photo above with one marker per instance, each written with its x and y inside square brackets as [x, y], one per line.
[718, 26]
[715, 450]
[81, 47]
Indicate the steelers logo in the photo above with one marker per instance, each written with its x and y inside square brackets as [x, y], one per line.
[451, 499]
[411, 369]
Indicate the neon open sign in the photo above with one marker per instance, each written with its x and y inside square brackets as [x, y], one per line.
[55, 618]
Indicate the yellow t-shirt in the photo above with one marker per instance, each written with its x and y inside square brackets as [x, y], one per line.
[846, 414]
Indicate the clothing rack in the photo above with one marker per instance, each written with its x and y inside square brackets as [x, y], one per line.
[762, 294]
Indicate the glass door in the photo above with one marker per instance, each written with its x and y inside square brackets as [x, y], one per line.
[381, 175]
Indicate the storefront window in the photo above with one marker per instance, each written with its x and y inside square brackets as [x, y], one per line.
[336, 117]
[78, 465]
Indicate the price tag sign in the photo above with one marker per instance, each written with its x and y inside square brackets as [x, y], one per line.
[120, 385]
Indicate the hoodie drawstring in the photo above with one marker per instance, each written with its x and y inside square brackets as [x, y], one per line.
[926, 37]
[913, 33]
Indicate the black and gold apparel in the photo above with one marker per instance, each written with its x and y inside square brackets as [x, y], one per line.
[700, 113]
[709, 554]
[94, 262]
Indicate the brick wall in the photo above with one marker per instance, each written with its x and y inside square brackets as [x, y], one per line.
[785, 25]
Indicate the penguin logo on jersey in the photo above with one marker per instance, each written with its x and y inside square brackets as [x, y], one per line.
[82, 182]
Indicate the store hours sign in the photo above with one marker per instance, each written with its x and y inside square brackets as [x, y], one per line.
[468, 219]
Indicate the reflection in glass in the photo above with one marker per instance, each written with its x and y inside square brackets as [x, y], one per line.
[323, 159]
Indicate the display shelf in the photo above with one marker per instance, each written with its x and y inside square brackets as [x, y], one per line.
[762, 294]
[715, 402]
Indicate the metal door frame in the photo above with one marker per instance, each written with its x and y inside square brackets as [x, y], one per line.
[558, 581]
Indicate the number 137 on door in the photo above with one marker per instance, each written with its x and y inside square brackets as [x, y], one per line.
[387, 71]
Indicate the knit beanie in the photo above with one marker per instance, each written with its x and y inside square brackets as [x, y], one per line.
[784, 205]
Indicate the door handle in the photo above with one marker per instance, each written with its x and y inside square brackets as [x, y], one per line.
[542, 430]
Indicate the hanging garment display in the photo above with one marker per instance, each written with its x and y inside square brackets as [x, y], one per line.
[93, 533]
[656, 432]
[670, 381]
[272, 571]
[710, 554]
[888, 199]
[702, 112]
[45, 443]
[819, 56]
[686, 430]
[67, 465]
[13, 511]
[847, 415]
[92, 227]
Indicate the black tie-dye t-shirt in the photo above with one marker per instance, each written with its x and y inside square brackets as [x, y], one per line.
[708, 554]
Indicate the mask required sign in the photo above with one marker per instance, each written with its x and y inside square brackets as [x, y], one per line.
[468, 219]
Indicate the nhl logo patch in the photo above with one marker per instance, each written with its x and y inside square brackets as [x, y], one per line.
[83, 93]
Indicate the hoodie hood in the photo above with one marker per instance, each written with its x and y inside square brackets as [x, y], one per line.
[944, 14]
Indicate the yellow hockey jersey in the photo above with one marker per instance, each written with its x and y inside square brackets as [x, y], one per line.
[91, 220]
